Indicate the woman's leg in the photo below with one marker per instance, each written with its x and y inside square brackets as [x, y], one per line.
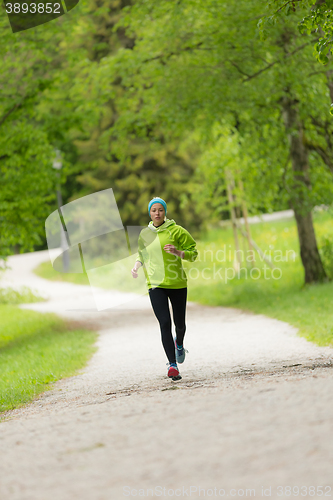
[178, 299]
[159, 301]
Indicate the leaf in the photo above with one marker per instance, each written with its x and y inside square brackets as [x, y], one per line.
[322, 58]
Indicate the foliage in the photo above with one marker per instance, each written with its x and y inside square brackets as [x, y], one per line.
[139, 164]
[212, 72]
[29, 73]
[318, 18]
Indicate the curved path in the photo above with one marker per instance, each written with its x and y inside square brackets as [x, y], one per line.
[252, 410]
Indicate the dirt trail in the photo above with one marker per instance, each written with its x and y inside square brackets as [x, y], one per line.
[252, 410]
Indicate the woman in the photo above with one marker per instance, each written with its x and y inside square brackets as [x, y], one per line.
[162, 245]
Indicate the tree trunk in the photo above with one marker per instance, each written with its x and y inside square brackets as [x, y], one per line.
[299, 194]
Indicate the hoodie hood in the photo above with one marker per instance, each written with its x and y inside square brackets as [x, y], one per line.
[163, 227]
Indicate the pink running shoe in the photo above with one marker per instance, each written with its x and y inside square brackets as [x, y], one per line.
[173, 370]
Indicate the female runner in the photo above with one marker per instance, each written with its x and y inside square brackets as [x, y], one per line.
[162, 246]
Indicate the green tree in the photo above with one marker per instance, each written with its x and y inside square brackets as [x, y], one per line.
[35, 118]
[144, 161]
[27, 177]
[195, 63]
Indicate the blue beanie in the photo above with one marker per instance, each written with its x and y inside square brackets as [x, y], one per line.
[157, 200]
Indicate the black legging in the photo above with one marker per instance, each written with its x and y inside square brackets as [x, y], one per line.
[159, 300]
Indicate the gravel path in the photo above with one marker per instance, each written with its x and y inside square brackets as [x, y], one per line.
[252, 410]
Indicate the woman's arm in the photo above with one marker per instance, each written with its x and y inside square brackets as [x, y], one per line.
[134, 271]
[187, 244]
[140, 257]
[172, 249]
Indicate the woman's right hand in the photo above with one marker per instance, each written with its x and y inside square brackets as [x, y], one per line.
[134, 272]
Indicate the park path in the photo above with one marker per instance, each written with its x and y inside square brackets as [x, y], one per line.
[252, 410]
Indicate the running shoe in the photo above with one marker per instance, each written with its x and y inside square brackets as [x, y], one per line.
[173, 370]
[180, 353]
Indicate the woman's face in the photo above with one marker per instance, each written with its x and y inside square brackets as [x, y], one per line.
[157, 214]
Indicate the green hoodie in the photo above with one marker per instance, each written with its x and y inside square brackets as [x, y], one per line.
[163, 269]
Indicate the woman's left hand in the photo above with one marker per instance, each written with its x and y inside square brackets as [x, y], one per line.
[172, 249]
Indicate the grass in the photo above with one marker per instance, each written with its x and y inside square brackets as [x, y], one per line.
[281, 295]
[22, 296]
[35, 350]
[286, 298]
[46, 271]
